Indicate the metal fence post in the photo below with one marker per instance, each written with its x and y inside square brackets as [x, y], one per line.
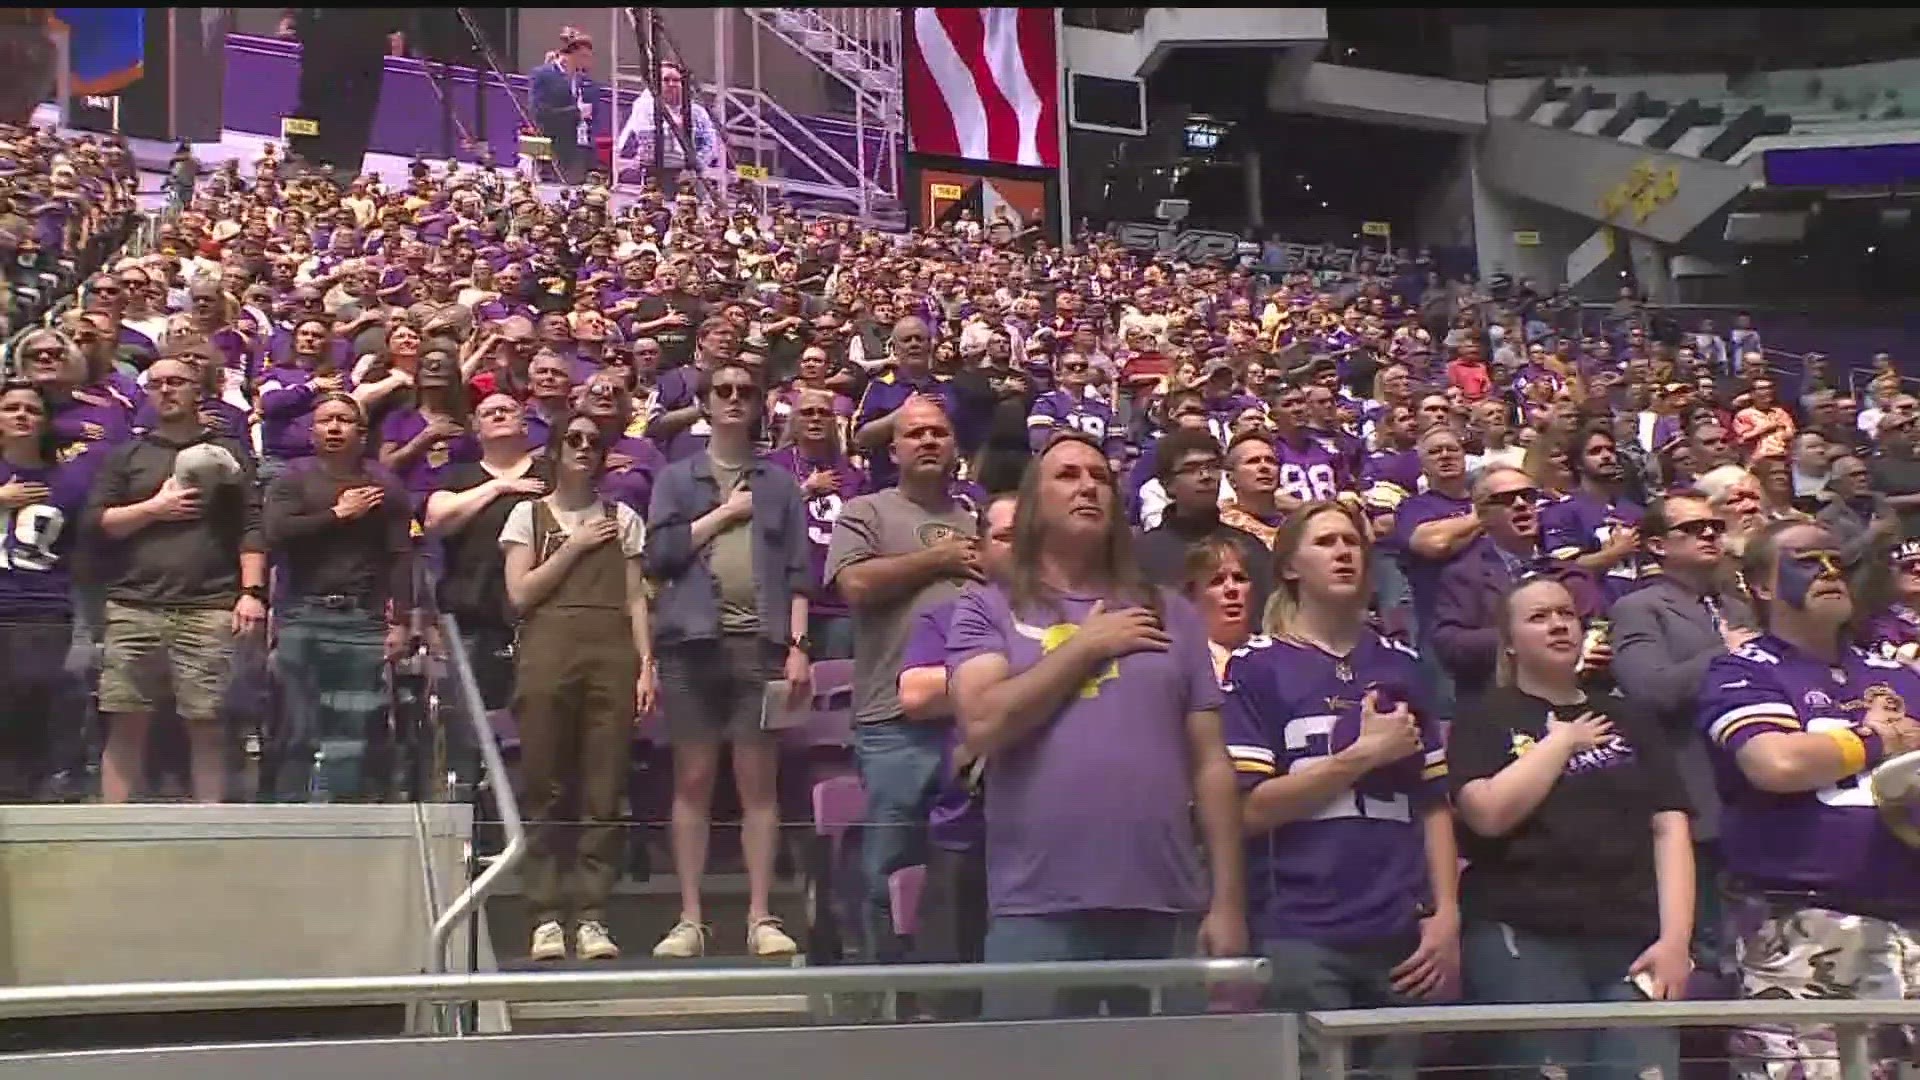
[1856, 1054]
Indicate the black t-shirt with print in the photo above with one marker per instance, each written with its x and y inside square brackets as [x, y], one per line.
[1583, 861]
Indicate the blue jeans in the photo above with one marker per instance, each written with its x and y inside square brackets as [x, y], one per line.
[1311, 977]
[1081, 935]
[332, 664]
[899, 763]
[1504, 965]
[832, 636]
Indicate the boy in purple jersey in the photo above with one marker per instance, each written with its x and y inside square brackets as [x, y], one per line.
[1596, 526]
[953, 906]
[41, 497]
[1092, 696]
[1309, 469]
[829, 481]
[1824, 898]
[1351, 861]
[1068, 408]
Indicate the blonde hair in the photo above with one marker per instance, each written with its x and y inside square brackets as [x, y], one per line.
[1503, 665]
[1283, 605]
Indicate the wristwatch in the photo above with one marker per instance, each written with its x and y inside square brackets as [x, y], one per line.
[256, 592]
[801, 642]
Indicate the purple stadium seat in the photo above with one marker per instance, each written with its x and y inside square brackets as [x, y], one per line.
[838, 804]
[830, 724]
[904, 887]
[506, 728]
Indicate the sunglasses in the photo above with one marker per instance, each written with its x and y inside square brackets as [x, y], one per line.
[1509, 499]
[1701, 528]
[581, 440]
[730, 391]
[814, 412]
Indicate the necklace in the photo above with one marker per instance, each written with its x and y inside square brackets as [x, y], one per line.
[1342, 665]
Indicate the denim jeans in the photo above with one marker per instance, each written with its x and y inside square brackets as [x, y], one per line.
[1311, 977]
[899, 763]
[832, 636]
[332, 664]
[1081, 935]
[1504, 965]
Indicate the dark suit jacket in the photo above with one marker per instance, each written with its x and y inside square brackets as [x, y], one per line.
[550, 99]
[1466, 610]
[1663, 640]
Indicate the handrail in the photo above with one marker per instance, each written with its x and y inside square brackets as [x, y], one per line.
[496, 767]
[97, 1000]
[1424, 1019]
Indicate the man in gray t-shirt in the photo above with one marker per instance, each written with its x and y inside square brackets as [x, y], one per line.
[893, 553]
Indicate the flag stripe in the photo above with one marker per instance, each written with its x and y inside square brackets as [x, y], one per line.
[983, 83]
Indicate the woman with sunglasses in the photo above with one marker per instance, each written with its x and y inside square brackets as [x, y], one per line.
[1579, 883]
[583, 671]
[1351, 865]
[58, 370]
[143, 319]
[1894, 631]
[340, 528]
[41, 495]
[812, 453]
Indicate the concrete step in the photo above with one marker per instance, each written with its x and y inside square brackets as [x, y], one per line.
[659, 1013]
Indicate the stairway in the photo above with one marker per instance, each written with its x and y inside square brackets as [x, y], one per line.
[860, 47]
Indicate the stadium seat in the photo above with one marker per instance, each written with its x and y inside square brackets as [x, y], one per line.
[904, 887]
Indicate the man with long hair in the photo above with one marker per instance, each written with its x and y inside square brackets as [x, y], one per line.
[1092, 696]
[1826, 897]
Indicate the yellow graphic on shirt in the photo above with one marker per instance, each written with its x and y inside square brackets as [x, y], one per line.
[1521, 743]
[1059, 634]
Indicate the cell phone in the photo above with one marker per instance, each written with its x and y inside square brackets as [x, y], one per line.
[1643, 982]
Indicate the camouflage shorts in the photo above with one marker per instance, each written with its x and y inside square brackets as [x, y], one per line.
[1783, 950]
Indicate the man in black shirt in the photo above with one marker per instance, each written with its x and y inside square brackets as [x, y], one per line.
[670, 318]
[177, 515]
[1189, 468]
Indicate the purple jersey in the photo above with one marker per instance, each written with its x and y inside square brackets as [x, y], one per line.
[286, 412]
[1222, 412]
[1581, 524]
[1893, 634]
[1310, 469]
[1092, 811]
[883, 396]
[678, 389]
[37, 540]
[1397, 471]
[1423, 575]
[633, 484]
[1356, 871]
[956, 821]
[1829, 841]
[94, 414]
[1059, 410]
[822, 512]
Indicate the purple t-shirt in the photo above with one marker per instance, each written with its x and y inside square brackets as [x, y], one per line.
[1423, 575]
[822, 512]
[94, 414]
[678, 389]
[956, 822]
[1827, 841]
[1354, 872]
[37, 540]
[633, 485]
[1092, 812]
[402, 426]
[883, 396]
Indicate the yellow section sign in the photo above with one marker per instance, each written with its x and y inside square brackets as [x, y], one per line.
[755, 173]
[1526, 238]
[947, 191]
[1376, 228]
[294, 125]
[1646, 189]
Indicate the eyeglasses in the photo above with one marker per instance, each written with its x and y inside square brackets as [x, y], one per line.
[813, 412]
[169, 382]
[1198, 468]
[49, 352]
[1072, 368]
[582, 440]
[1700, 528]
[1509, 499]
[730, 391]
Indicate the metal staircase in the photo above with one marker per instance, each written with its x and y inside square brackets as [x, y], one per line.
[860, 47]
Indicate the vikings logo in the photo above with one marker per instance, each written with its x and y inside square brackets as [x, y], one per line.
[1052, 637]
[439, 455]
[1878, 696]
[1521, 743]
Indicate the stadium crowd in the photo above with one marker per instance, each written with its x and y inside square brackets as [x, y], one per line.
[1400, 630]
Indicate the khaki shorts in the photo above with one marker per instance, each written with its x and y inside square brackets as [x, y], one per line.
[154, 654]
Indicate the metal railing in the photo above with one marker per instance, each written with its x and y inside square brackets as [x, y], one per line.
[468, 902]
[1331, 1034]
[172, 997]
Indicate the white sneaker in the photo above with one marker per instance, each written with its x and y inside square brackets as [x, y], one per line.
[549, 941]
[765, 938]
[592, 942]
[685, 941]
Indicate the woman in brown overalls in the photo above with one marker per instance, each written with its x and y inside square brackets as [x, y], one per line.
[584, 660]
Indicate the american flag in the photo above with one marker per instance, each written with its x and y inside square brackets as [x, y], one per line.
[984, 84]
